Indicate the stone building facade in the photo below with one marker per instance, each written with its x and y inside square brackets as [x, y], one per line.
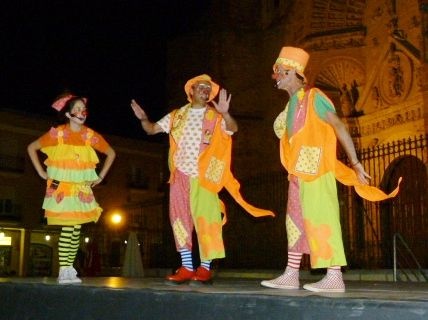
[368, 56]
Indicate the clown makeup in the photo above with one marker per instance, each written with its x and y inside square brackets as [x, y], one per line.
[78, 111]
[202, 89]
[281, 76]
[280, 72]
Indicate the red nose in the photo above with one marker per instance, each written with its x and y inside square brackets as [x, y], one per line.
[206, 91]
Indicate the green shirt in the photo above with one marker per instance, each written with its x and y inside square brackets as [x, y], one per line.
[322, 106]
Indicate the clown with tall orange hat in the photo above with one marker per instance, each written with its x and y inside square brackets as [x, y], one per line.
[71, 150]
[308, 129]
[199, 161]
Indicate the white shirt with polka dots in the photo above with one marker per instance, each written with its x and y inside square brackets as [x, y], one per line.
[186, 157]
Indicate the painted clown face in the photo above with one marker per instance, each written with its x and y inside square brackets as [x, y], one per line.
[201, 91]
[78, 112]
[284, 77]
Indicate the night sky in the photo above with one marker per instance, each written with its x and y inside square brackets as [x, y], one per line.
[110, 52]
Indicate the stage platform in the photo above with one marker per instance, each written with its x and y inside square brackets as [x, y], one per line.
[105, 298]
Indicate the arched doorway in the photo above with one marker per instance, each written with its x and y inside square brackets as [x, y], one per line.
[407, 213]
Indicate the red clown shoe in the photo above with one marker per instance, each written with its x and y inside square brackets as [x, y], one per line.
[180, 276]
[202, 276]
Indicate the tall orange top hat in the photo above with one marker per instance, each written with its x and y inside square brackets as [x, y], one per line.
[294, 58]
[215, 88]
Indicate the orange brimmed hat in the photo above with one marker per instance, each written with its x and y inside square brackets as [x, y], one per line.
[203, 77]
[294, 58]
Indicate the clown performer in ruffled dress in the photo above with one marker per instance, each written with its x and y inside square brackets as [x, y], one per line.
[71, 150]
[308, 129]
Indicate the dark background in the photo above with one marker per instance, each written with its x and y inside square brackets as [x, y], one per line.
[109, 51]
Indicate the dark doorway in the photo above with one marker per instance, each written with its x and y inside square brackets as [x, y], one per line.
[407, 213]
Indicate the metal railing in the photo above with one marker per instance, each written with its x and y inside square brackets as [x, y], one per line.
[368, 227]
[409, 272]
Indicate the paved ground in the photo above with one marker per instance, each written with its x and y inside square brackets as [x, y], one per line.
[121, 298]
[383, 290]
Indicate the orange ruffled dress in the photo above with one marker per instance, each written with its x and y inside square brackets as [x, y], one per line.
[71, 162]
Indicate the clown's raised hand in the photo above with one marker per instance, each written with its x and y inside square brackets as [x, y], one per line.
[222, 106]
[138, 111]
[223, 103]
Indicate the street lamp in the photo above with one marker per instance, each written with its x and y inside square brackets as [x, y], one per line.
[116, 218]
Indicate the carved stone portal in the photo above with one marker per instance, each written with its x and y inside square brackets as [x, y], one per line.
[346, 76]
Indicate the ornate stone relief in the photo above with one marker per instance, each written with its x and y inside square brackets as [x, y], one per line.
[347, 76]
[338, 41]
[336, 25]
[396, 77]
[334, 14]
[377, 13]
[401, 116]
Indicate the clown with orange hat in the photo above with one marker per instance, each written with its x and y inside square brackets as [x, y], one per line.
[199, 161]
[308, 130]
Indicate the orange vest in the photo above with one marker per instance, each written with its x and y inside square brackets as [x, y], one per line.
[214, 166]
[311, 152]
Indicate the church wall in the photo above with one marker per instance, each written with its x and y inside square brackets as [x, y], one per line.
[366, 56]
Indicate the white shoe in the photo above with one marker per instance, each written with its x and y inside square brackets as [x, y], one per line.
[63, 277]
[288, 280]
[72, 275]
[68, 275]
[332, 282]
